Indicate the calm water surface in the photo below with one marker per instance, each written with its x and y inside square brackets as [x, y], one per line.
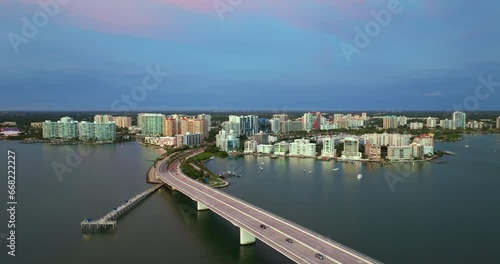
[436, 213]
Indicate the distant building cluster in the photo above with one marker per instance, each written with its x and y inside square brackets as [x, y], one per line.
[458, 121]
[152, 124]
[67, 128]
[190, 140]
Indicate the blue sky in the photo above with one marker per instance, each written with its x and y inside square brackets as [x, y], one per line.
[259, 55]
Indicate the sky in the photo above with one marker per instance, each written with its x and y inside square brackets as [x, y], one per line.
[249, 54]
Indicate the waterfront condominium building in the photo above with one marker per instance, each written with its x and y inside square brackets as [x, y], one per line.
[105, 131]
[67, 128]
[458, 120]
[265, 148]
[103, 118]
[250, 146]
[151, 124]
[307, 121]
[328, 150]
[122, 121]
[390, 122]
[86, 131]
[351, 149]
[399, 153]
[374, 152]
[281, 148]
[227, 141]
[302, 147]
[49, 129]
[498, 122]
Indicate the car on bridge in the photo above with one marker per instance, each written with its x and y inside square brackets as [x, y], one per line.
[289, 240]
[263, 226]
[319, 256]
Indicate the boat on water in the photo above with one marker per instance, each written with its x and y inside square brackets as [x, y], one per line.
[262, 163]
[261, 168]
[212, 157]
[304, 169]
[274, 157]
[466, 146]
[449, 152]
[336, 169]
[360, 176]
[309, 172]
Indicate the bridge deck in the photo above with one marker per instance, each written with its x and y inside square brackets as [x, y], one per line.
[306, 243]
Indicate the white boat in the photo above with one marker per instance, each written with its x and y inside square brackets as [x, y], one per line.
[212, 157]
[360, 176]
[261, 168]
[336, 169]
[262, 163]
[304, 169]
[466, 146]
[309, 171]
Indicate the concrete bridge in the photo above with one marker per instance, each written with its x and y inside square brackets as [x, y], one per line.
[292, 240]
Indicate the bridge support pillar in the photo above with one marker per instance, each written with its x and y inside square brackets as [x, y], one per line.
[200, 206]
[246, 238]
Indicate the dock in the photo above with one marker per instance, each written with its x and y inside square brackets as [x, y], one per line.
[108, 222]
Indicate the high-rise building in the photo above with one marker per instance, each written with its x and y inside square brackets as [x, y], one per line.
[67, 128]
[86, 131]
[170, 127]
[250, 146]
[122, 121]
[151, 124]
[49, 129]
[446, 124]
[290, 126]
[307, 121]
[103, 118]
[328, 150]
[227, 141]
[249, 124]
[390, 122]
[275, 125]
[431, 122]
[351, 148]
[416, 125]
[458, 120]
[231, 125]
[281, 148]
[281, 117]
[402, 120]
[498, 122]
[399, 153]
[105, 131]
[302, 147]
[192, 139]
